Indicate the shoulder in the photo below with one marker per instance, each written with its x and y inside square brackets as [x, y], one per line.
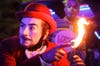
[11, 43]
[10, 39]
[50, 45]
[14, 40]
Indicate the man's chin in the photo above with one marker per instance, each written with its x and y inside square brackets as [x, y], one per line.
[26, 44]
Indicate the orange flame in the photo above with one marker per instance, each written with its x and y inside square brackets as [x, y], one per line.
[81, 31]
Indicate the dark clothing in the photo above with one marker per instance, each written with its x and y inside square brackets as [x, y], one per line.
[12, 54]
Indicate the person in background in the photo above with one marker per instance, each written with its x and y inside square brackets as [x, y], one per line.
[32, 48]
[71, 11]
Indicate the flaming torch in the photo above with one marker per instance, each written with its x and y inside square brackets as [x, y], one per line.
[81, 31]
[76, 42]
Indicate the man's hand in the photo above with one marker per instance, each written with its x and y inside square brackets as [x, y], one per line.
[78, 61]
[55, 54]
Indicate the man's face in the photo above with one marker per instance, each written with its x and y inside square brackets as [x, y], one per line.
[30, 31]
[71, 9]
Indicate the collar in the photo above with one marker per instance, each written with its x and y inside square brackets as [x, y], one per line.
[30, 54]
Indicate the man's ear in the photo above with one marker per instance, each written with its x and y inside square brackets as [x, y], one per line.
[46, 34]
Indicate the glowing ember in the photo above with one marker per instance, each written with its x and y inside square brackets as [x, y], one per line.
[81, 31]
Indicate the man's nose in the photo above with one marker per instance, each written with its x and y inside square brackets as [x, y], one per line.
[26, 31]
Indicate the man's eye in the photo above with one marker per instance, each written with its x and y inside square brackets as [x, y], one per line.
[31, 28]
[21, 25]
[68, 6]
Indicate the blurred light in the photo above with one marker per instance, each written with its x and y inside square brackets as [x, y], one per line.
[55, 16]
[97, 34]
[52, 12]
[85, 11]
[84, 7]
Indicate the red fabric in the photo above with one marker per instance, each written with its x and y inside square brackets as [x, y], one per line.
[63, 61]
[36, 10]
[11, 54]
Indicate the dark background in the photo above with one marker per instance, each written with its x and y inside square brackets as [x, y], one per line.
[8, 8]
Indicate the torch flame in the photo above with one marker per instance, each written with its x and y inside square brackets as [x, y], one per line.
[81, 31]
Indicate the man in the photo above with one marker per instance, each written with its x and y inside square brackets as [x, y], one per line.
[32, 47]
[71, 11]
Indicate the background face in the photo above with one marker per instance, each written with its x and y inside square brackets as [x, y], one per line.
[30, 31]
[71, 9]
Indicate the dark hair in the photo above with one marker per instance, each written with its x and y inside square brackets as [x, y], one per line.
[45, 27]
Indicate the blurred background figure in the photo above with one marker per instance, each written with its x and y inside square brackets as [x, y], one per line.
[71, 11]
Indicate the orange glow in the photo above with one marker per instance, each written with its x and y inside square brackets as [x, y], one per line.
[81, 31]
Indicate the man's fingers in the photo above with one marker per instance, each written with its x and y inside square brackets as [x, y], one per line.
[61, 51]
[76, 56]
[78, 60]
[59, 54]
[80, 64]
